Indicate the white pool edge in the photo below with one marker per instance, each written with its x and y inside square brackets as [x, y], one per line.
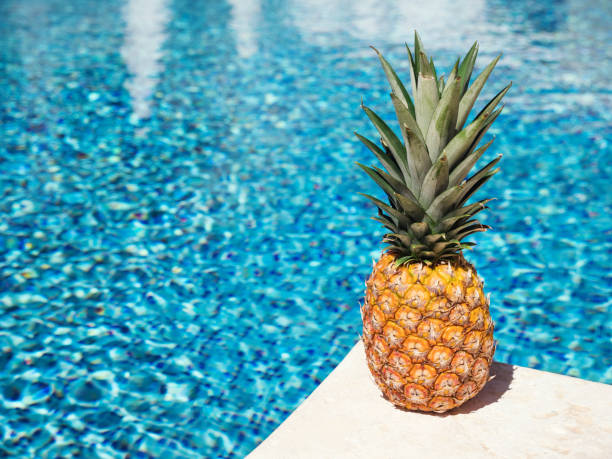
[520, 413]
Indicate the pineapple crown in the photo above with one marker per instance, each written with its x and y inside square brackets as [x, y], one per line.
[425, 172]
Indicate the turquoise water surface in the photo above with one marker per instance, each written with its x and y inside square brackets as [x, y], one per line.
[182, 249]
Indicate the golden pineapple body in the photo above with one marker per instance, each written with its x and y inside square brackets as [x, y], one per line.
[428, 333]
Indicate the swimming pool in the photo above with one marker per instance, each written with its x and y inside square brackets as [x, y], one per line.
[182, 250]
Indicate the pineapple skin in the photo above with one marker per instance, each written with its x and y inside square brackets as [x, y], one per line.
[428, 333]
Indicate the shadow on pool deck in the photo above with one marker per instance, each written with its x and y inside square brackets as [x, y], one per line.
[499, 382]
[500, 379]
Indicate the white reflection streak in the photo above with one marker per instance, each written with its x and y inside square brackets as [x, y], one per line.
[245, 17]
[145, 22]
[443, 22]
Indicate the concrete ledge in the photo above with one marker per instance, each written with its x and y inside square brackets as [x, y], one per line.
[521, 413]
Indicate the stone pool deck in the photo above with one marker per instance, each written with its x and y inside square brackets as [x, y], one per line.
[521, 413]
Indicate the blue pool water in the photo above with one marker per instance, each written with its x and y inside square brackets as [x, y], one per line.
[182, 249]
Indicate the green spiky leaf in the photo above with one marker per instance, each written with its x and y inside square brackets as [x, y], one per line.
[413, 71]
[445, 202]
[460, 145]
[470, 96]
[442, 125]
[387, 160]
[396, 85]
[427, 95]
[416, 151]
[401, 218]
[467, 66]
[387, 222]
[410, 206]
[395, 145]
[464, 167]
[435, 182]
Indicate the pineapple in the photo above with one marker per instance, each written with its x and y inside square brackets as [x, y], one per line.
[427, 328]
